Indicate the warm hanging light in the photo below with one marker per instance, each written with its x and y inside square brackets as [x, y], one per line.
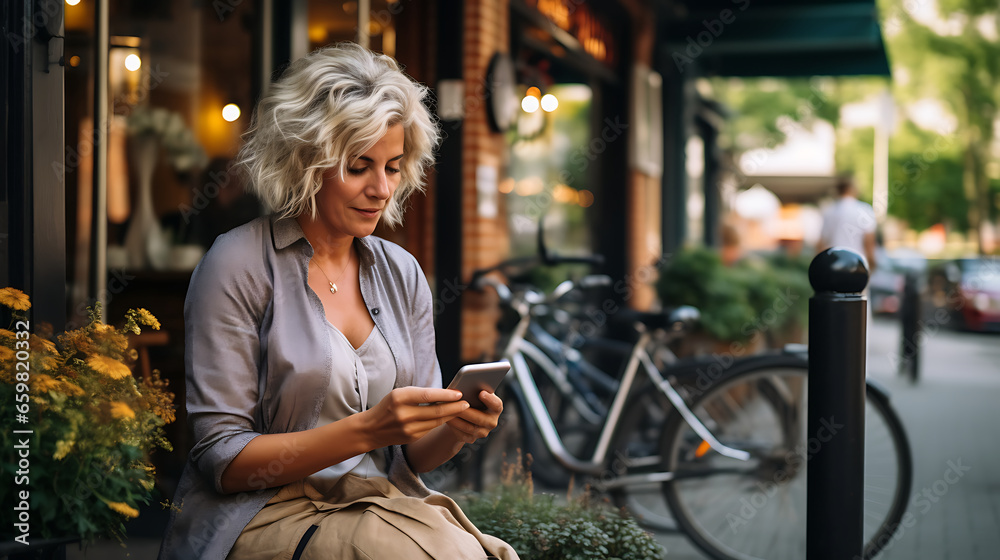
[529, 103]
[549, 103]
[133, 62]
[231, 112]
[72, 2]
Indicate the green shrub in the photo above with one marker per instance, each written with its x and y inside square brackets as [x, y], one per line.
[539, 528]
[736, 301]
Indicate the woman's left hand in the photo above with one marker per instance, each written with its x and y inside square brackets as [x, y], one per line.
[473, 424]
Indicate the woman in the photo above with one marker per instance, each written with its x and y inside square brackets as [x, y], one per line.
[313, 387]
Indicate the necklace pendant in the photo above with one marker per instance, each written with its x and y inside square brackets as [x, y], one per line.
[333, 288]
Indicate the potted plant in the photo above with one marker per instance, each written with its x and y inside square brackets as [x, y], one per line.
[753, 303]
[76, 445]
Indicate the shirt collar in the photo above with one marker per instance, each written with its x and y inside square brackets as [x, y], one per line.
[287, 231]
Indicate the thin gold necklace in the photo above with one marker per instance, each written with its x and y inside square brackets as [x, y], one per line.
[333, 285]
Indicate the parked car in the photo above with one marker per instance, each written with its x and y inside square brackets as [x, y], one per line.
[970, 290]
[885, 287]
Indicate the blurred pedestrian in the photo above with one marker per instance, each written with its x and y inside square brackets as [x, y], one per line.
[849, 223]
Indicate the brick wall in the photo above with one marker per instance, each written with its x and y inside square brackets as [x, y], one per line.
[486, 32]
[485, 241]
[643, 242]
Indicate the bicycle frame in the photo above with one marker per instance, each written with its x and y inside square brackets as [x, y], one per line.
[518, 348]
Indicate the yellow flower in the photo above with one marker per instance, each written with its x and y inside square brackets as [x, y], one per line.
[6, 335]
[46, 363]
[39, 343]
[147, 318]
[109, 366]
[63, 447]
[14, 299]
[121, 410]
[71, 389]
[124, 509]
[44, 383]
[6, 354]
[102, 328]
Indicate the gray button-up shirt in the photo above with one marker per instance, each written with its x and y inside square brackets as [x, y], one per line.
[258, 358]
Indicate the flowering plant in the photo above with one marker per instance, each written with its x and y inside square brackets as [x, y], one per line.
[91, 424]
[183, 149]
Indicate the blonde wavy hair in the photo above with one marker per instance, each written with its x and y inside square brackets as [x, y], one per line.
[328, 108]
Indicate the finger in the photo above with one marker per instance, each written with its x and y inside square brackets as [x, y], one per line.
[492, 402]
[463, 425]
[486, 420]
[446, 410]
[417, 395]
[467, 431]
[419, 428]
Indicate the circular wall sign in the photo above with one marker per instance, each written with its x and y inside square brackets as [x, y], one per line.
[501, 92]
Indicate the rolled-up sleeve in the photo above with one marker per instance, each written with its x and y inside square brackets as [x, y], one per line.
[222, 315]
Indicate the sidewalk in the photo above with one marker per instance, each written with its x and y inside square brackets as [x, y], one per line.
[952, 417]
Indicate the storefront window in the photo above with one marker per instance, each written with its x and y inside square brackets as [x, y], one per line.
[550, 152]
[334, 21]
[180, 95]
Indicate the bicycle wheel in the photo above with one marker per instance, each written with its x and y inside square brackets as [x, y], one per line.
[756, 509]
[636, 445]
[635, 451]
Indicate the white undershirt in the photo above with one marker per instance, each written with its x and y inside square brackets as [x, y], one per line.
[361, 377]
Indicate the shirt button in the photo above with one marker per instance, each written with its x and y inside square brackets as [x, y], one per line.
[375, 311]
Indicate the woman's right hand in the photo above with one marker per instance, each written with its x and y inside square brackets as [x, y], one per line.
[407, 414]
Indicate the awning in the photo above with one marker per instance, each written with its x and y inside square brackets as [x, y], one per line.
[796, 189]
[772, 37]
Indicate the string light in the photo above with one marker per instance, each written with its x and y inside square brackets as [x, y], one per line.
[549, 103]
[133, 62]
[529, 104]
[231, 112]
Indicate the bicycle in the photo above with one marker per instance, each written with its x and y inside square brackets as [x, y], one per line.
[723, 449]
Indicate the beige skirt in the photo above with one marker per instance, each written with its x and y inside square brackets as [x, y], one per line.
[362, 518]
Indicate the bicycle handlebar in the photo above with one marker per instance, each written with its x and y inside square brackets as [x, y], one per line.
[554, 259]
[547, 259]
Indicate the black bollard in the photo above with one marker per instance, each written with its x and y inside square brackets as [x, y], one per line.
[836, 419]
[909, 317]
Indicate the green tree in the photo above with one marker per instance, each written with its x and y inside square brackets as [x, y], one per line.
[960, 66]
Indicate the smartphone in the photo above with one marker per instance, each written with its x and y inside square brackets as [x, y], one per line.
[473, 378]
